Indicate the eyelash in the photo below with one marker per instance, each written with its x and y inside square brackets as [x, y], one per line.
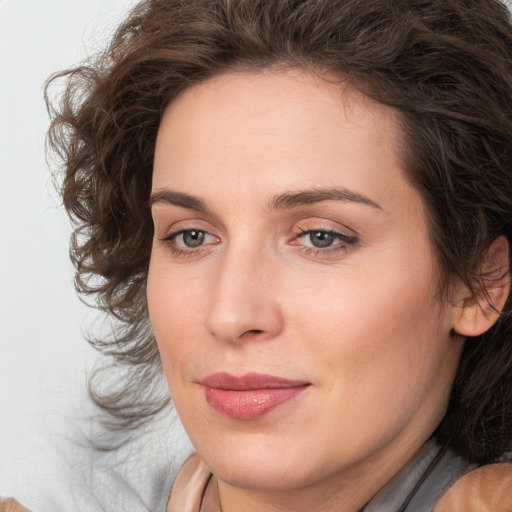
[345, 242]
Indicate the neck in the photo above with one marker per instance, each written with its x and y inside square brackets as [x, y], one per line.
[345, 491]
[301, 500]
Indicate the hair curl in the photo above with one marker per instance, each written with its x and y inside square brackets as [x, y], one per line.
[444, 65]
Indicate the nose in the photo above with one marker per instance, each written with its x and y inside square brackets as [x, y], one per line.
[243, 304]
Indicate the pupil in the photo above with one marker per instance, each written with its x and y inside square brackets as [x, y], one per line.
[321, 239]
[193, 238]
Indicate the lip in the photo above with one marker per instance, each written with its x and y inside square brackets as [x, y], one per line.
[249, 396]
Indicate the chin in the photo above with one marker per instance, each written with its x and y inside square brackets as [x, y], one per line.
[261, 467]
[261, 477]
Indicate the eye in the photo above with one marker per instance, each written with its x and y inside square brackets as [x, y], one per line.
[321, 238]
[324, 241]
[189, 241]
[191, 237]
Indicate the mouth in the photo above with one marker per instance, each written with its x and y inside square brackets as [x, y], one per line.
[249, 396]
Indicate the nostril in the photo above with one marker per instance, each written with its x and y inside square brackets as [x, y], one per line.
[253, 331]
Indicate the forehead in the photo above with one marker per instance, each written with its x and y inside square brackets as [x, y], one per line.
[250, 121]
[284, 94]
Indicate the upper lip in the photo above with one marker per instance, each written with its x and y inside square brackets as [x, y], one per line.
[224, 380]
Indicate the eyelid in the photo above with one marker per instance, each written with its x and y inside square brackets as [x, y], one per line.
[168, 229]
[320, 224]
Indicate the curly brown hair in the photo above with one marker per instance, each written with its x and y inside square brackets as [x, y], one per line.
[444, 65]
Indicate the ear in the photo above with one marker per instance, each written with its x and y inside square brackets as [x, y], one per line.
[475, 315]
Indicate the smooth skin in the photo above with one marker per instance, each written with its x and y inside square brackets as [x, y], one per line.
[288, 242]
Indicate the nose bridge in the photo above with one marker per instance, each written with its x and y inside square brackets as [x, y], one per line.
[242, 304]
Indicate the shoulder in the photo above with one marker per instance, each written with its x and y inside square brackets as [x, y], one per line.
[10, 505]
[485, 489]
[189, 486]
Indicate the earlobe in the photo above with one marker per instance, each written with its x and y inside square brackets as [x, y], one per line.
[475, 315]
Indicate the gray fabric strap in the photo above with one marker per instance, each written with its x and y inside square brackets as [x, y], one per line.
[448, 469]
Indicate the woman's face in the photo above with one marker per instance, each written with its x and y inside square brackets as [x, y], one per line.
[293, 289]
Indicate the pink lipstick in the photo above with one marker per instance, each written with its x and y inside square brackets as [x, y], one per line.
[249, 396]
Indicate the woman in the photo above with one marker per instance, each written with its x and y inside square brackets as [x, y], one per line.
[301, 212]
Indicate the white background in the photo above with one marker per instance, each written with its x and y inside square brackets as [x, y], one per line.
[43, 355]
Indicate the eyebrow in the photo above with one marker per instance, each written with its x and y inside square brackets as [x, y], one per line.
[167, 196]
[293, 199]
[282, 201]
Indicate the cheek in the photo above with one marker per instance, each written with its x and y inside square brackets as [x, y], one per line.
[176, 310]
[376, 331]
[378, 348]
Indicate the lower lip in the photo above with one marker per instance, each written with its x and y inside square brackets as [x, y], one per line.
[250, 404]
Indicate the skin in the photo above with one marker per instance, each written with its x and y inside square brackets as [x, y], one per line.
[361, 320]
